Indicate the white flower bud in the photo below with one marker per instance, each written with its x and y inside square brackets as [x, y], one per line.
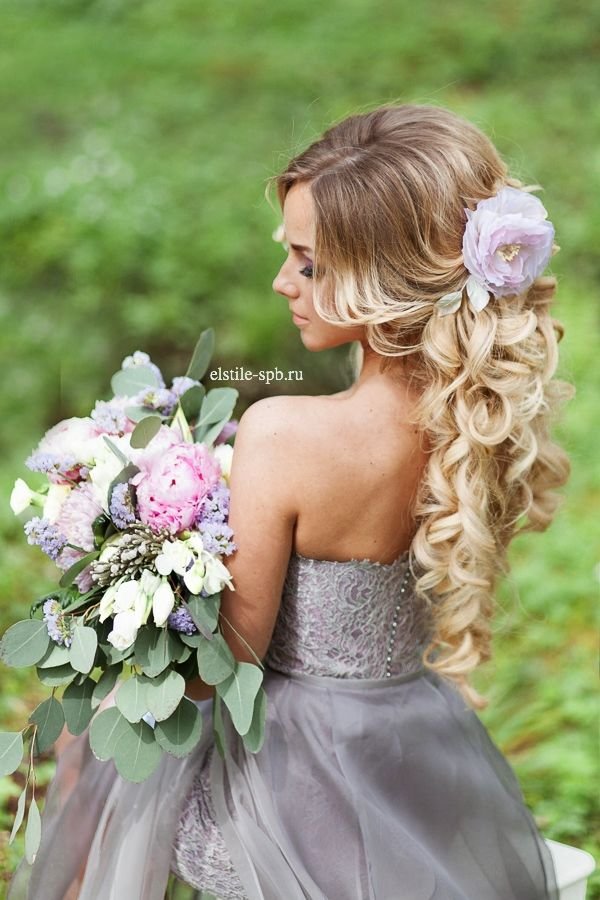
[163, 603]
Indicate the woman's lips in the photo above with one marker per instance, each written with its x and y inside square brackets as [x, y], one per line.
[299, 320]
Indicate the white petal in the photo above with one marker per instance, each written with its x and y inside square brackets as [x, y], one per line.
[21, 496]
[194, 578]
[162, 603]
[478, 294]
[449, 303]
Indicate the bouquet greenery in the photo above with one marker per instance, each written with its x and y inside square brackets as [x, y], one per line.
[134, 512]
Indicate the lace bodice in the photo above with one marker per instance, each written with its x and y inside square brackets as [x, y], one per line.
[350, 619]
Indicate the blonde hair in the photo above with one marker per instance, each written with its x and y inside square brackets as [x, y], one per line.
[389, 189]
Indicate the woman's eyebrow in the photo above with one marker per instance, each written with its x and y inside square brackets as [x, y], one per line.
[300, 248]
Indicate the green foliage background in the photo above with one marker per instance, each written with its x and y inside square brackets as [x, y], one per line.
[137, 137]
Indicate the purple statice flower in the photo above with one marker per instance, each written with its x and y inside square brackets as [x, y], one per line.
[216, 537]
[139, 358]
[42, 461]
[121, 505]
[110, 417]
[228, 429]
[46, 535]
[162, 400]
[180, 620]
[215, 506]
[181, 384]
[58, 627]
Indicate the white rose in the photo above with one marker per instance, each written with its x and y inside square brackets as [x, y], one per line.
[124, 630]
[56, 496]
[23, 497]
[163, 603]
[175, 557]
[224, 454]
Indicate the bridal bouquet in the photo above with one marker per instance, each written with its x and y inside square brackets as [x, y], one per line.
[134, 512]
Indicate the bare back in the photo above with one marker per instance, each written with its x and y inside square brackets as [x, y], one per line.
[358, 476]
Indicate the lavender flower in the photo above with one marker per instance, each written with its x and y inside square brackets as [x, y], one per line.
[110, 417]
[180, 620]
[46, 535]
[139, 358]
[51, 462]
[121, 505]
[216, 537]
[58, 627]
[181, 384]
[162, 399]
[215, 506]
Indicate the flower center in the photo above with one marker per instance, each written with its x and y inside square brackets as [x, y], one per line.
[509, 251]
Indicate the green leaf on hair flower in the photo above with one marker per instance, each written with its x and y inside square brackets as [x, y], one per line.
[11, 751]
[202, 355]
[180, 733]
[50, 720]
[129, 382]
[25, 643]
[449, 303]
[144, 431]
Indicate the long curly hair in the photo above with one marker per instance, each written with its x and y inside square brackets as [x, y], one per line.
[390, 188]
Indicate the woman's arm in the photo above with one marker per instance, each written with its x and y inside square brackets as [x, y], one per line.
[262, 515]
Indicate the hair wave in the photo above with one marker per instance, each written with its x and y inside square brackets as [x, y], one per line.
[390, 188]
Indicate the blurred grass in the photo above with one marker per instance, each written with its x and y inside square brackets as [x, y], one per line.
[137, 139]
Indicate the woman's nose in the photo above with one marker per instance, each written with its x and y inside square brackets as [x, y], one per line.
[283, 285]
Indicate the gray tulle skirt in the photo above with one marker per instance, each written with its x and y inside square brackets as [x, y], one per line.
[365, 789]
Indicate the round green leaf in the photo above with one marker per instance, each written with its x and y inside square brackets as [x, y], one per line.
[217, 404]
[254, 737]
[11, 751]
[154, 649]
[56, 655]
[216, 662]
[205, 613]
[82, 651]
[106, 729]
[239, 692]
[33, 832]
[191, 401]
[56, 675]
[50, 719]
[131, 699]
[180, 733]
[163, 694]
[129, 382]
[137, 754]
[106, 683]
[144, 431]
[77, 705]
[25, 643]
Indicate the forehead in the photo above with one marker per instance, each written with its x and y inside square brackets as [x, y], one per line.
[298, 214]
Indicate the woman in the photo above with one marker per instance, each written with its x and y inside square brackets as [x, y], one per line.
[371, 528]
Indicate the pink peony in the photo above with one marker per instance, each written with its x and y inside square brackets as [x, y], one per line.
[74, 520]
[507, 241]
[172, 484]
[73, 439]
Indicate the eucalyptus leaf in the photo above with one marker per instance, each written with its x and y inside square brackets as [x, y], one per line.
[202, 355]
[218, 403]
[82, 651]
[215, 430]
[25, 643]
[154, 649]
[106, 683]
[216, 662]
[137, 753]
[239, 693]
[116, 450]
[71, 574]
[19, 814]
[131, 699]
[56, 675]
[144, 431]
[129, 382]
[218, 726]
[180, 733]
[113, 656]
[106, 729]
[11, 751]
[204, 612]
[163, 694]
[191, 401]
[56, 655]
[124, 475]
[137, 413]
[254, 737]
[33, 831]
[180, 420]
[50, 720]
[77, 705]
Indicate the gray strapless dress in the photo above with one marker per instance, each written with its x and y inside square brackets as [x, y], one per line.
[375, 780]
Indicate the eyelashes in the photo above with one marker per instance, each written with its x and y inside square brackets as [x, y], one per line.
[307, 271]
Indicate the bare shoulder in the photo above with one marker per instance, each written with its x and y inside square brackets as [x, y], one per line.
[286, 418]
